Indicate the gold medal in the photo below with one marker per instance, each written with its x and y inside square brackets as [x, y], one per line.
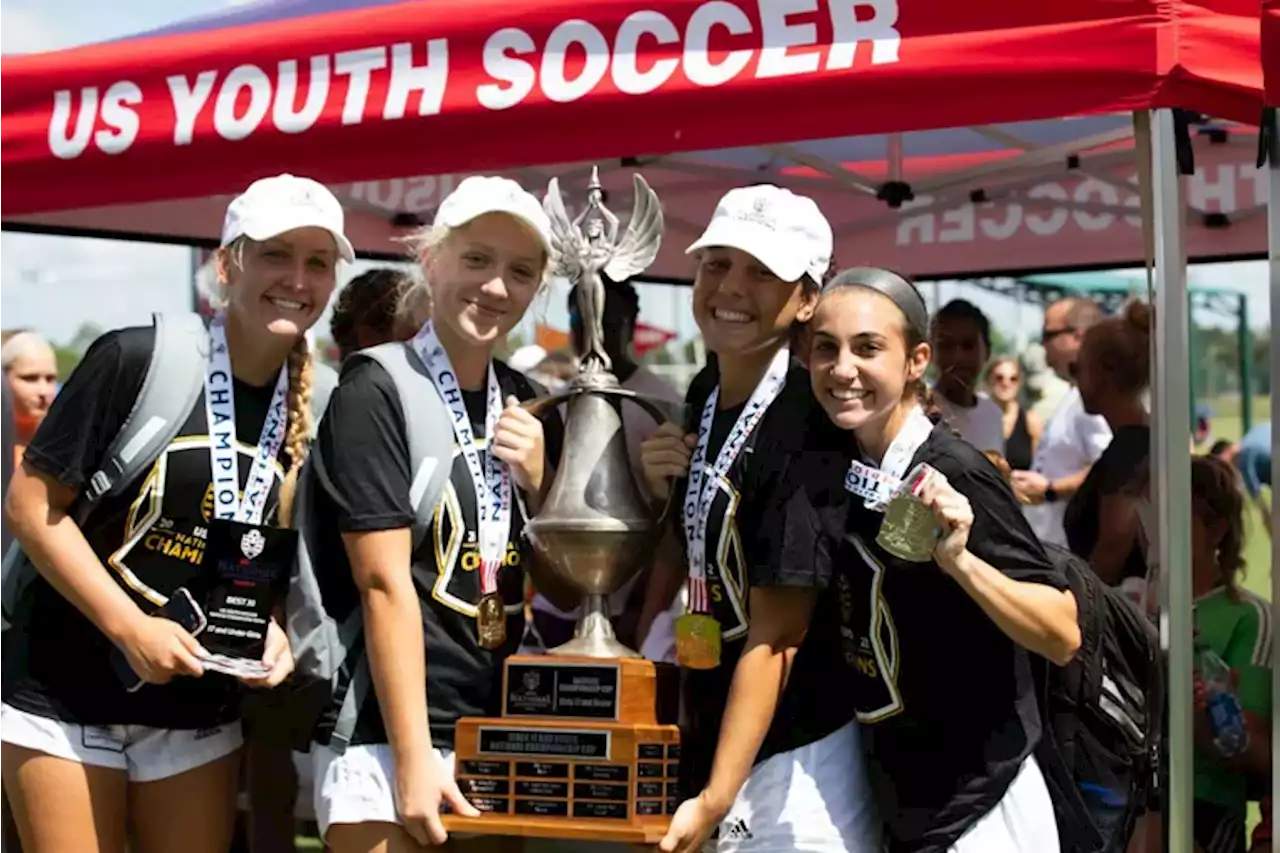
[909, 530]
[491, 621]
[697, 641]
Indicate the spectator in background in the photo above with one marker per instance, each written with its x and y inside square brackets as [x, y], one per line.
[365, 314]
[551, 627]
[961, 338]
[1252, 458]
[1020, 426]
[1222, 449]
[1072, 439]
[31, 372]
[1101, 521]
[1236, 624]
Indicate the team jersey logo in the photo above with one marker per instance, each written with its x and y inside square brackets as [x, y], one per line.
[252, 543]
[456, 548]
[166, 525]
[726, 563]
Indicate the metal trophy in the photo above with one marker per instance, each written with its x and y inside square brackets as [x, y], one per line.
[587, 745]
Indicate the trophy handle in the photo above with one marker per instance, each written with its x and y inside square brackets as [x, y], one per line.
[657, 408]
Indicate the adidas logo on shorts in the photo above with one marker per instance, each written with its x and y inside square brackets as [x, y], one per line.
[738, 830]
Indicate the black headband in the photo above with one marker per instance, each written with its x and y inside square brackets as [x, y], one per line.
[887, 283]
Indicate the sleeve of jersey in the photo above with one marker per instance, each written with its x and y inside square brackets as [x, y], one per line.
[1249, 654]
[91, 407]
[787, 548]
[1000, 535]
[365, 468]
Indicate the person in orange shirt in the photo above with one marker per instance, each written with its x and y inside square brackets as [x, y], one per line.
[31, 369]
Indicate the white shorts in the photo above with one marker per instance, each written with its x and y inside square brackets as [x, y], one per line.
[358, 786]
[146, 754]
[814, 799]
[1022, 822]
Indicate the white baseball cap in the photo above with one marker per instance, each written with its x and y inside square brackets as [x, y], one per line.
[272, 206]
[784, 231]
[478, 195]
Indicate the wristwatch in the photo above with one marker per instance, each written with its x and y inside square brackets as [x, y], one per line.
[1050, 493]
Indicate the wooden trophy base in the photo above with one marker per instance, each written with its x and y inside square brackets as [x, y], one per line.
[586, 748]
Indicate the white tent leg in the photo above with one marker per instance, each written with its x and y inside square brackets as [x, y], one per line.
[1273, 252]
[1171, 439]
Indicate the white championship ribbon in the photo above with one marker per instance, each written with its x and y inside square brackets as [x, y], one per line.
[704, 482]
[224, 459]
[876, 485]
[491, 481]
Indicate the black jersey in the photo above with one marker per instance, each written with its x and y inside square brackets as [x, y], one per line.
[364, 476]
[751, 541]
[945, 698]
[150, 537]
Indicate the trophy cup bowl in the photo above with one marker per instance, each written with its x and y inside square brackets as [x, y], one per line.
[595, 530]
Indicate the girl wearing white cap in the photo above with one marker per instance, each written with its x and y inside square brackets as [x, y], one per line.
[86, 759]
[439, 616]
[770, 756]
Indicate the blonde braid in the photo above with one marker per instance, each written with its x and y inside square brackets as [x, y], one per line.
[299, 431]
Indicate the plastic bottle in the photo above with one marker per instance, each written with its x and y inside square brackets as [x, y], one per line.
[1226, 717]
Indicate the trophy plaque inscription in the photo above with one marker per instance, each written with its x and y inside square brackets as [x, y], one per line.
[587, 745]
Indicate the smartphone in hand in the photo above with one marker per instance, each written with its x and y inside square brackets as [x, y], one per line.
[180, 608]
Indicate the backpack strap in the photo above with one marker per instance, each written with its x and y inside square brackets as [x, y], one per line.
[173, 383]
[324, 379]
[429, 430]
[170, 388]
[428, 427]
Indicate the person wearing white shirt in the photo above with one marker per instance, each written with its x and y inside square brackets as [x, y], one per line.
[550, 626]
[961, 338]
[1073, 439]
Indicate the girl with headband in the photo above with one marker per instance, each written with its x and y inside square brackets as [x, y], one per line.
[770, 755]
[442, 614]
[940, 646]
[87, 762]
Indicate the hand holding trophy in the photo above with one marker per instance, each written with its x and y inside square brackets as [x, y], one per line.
[587, 745]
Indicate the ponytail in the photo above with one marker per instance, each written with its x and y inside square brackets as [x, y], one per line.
[298, 434]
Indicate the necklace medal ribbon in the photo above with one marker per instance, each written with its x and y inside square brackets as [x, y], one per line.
[491, 481]
[698, 638]
[236, 538]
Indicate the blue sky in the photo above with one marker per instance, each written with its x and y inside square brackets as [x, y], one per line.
[54, 284]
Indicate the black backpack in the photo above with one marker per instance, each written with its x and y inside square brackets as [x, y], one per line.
[1102, 717]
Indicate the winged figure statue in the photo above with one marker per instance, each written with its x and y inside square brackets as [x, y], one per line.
[588, 245]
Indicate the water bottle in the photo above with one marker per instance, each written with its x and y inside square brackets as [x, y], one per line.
[1226, 717]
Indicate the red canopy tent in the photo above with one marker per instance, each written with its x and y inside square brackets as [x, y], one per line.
[142, 137]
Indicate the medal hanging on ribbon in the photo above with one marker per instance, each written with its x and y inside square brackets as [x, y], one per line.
[876, 485]
[224, 458]
[698, 634]
[490, 480]
[244, 561]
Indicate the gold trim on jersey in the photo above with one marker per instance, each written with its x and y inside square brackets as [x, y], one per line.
[730, 562]
[451, 555]
[880, 628]
[148, 508]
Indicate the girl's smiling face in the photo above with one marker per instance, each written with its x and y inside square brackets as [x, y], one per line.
[861, 362]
